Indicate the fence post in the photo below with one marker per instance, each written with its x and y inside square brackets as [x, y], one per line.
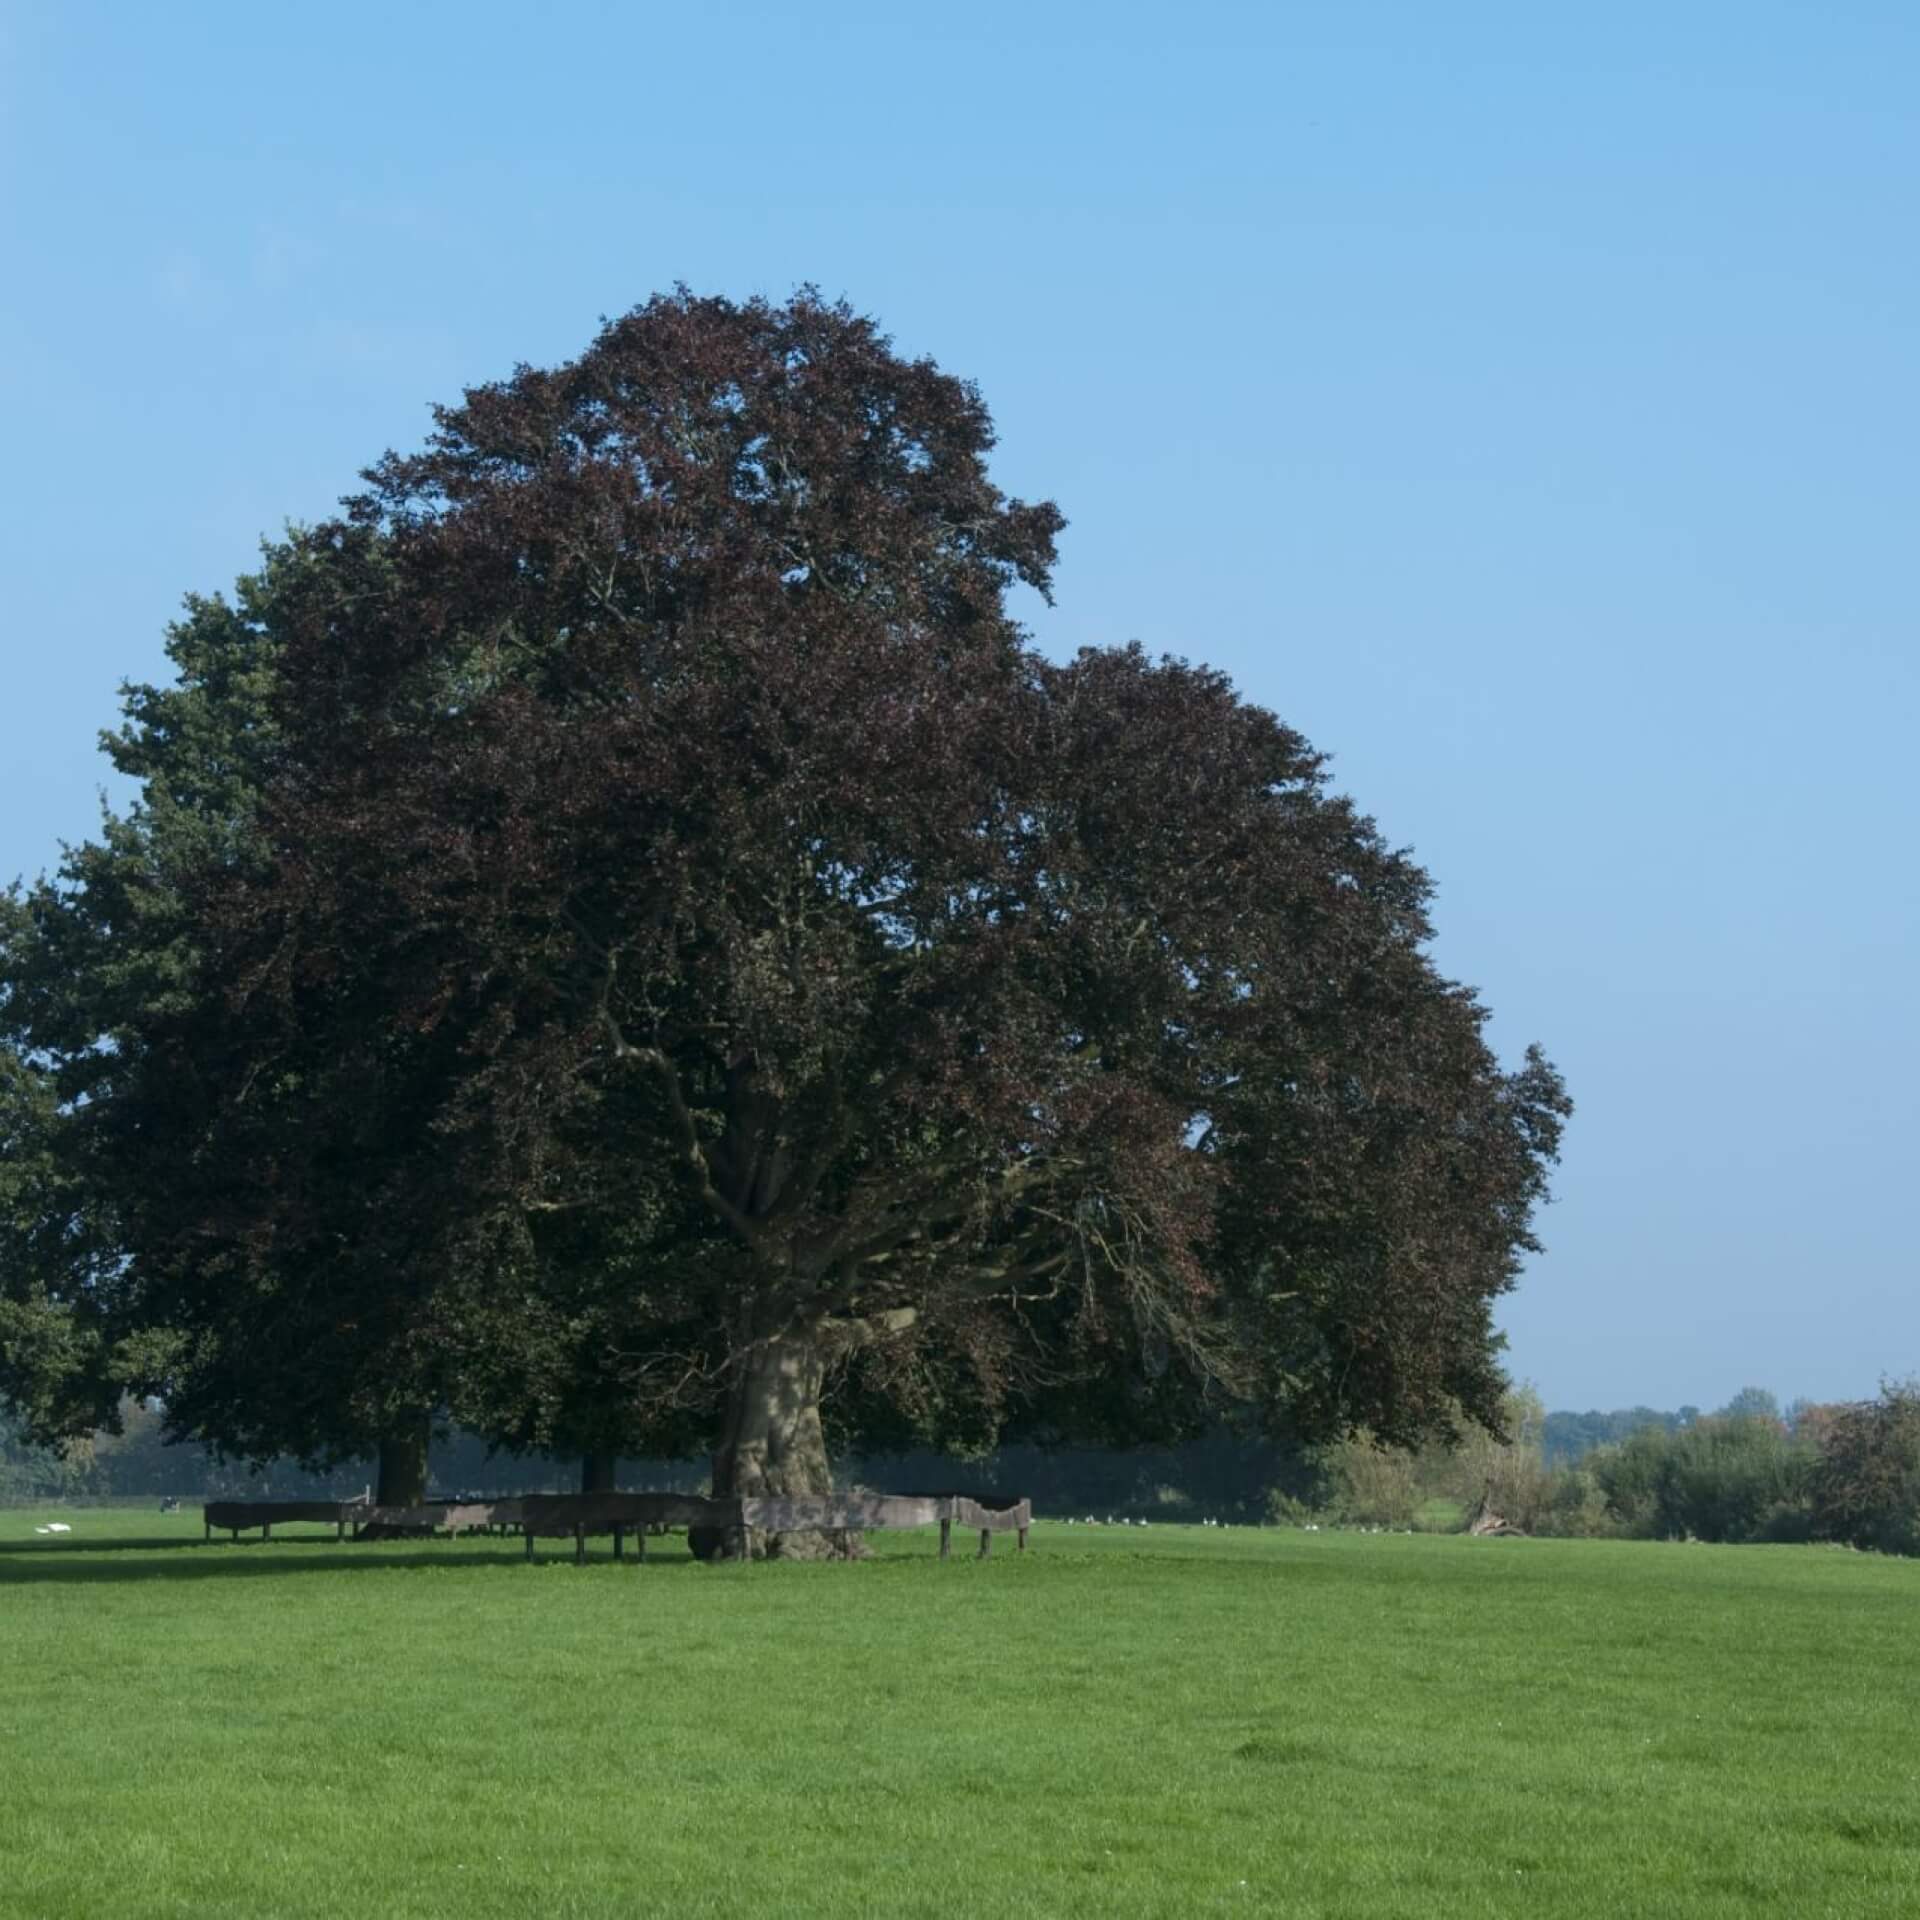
[986, 1541]
[528, 1531]
[946, 1539]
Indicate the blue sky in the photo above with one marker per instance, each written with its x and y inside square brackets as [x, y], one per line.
[1521, 400]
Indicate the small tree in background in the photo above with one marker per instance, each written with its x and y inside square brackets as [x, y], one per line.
[1373, 1485]
[1866, 1488]
[1504, 1474]
[1628, 1476]
[1753, 1403]
[1720, 1479]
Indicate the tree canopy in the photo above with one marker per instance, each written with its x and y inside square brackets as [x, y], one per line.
[661, 956]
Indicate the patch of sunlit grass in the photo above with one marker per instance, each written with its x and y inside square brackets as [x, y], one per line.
[1156, 1721]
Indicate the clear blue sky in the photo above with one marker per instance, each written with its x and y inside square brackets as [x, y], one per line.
[1522, 400]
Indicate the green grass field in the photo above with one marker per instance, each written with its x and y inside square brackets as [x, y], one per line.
[1169, 1722]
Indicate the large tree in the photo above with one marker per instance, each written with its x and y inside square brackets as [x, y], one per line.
[333, 1346]
[690, 961]
[683, 891]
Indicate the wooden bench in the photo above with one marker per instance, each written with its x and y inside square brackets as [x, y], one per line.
[236, 1515]
[559, 1515]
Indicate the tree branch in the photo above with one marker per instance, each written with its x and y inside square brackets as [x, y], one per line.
[663, 1069]
[691, 1149]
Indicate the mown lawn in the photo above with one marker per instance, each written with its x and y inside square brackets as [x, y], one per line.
[1120, 1722]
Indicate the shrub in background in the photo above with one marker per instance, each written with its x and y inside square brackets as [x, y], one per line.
[1866, 1487]
[1741, 1478]
[1374, 1486]
[1628, 1476]
[1575, 1506]
[1505, 1475]
[1286, 1509]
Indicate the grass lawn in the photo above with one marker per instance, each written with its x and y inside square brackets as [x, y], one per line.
[1119, 1722]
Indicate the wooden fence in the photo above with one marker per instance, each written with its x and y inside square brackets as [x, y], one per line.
[559, 1515]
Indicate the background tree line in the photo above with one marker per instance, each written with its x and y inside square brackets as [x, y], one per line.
[1750, 1472]
[1848, 1472]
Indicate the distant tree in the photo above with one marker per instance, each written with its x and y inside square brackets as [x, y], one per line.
[1568, 1437]
[31, 1472]
[1752, 1403]
[1720, 1479]
[1866, 1488]
[1738, 1478]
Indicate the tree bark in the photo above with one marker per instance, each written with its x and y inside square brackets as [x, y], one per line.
[598, 1472]
[403, 1462]
[773, 1443]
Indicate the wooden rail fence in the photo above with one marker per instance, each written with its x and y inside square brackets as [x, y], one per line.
[558, 1515]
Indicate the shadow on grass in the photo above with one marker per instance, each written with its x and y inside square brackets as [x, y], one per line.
[94, 1562]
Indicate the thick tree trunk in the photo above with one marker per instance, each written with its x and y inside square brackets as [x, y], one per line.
[403, 1462]
[598, 1472]
[773, 1444]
